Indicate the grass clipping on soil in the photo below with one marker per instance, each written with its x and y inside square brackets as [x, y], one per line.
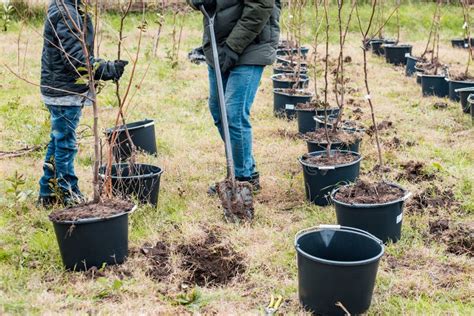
[103, 209]
[369, 193]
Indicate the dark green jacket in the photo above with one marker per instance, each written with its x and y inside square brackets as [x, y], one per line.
[250, 27]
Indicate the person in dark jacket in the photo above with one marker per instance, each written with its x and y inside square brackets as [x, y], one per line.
[64, 94]
[247, 33]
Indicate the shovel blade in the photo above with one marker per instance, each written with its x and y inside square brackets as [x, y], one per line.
[237, 200]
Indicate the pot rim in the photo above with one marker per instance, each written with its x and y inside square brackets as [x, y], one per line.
[466, 89]
[121, 128]
[95, 219]
[336, 228]
[309, 94]
[432, 76]
[376, 205]
[143, 176]
[320, 152]
[315, 110]
[358, 140]
[461, 81]
[303, 79]
[396, 46]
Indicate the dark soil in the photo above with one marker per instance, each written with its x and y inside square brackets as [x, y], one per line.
[288, 78]
[312, 106]
[435, 68]
[336, 159]
[289, 68]
[207, 263]
[433, 199]
[340, 136]
[384, 125]
[440, 105]
[237, 201]
[288, 134]
[295, 92]
[369, 193]
[414, 171]
[461, 77]
[348, 59]
[458, 238]
[103, 209]
[438, 227]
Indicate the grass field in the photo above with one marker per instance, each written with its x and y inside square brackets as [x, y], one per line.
[418, 275]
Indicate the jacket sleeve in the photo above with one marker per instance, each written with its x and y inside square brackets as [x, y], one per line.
[254, 17]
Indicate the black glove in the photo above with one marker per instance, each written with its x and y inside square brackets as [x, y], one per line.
[209, 5]
[110, 70]
[119, 66]
[227, 58]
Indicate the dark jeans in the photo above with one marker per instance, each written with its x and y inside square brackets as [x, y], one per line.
[59, 177]
[240, 87]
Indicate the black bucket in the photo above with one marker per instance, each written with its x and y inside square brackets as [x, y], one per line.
[288, 70]
[315, 146]
[377, 45]
[434, 85]
[320, 181]
[337, 265]
[278, 83]
[419, 73]
[292, 51]
[464, 95]
[88, 243]
[382, 220]
[410, 69]
[284, 103]
[306, 121]
[143, 137]
[141, 182]
[287, 62]
[458, 43]
[455, 85]
[397, 54]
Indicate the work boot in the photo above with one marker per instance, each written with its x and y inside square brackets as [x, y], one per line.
[254, 180]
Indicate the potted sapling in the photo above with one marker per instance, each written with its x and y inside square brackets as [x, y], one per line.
[396, 54]
[326, 168]
[378, 40]
[375, 207]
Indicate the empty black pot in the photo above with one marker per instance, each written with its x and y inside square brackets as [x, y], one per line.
[455, 85]
[135, 181]
[88, 243]
[410, 69]
[337, 264]
[284, 103]
[320, 180]
[434, 85]
[458, 43]
[315, 146]
[306, 121]
[382, 220]
[142, 134]
[279, 82]
[397, 54]
[464, 95]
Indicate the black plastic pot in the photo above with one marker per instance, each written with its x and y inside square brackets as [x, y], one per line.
[88, 243]
[138, 181]
[455, 85]
[419, 72]
[470, 101]
[315, 146]
[306, 121]
[143, 137]
[464, 95]
[410, 69]
[382, 220]
[397, 54]
[284, 103]
[287, 62]
[337, 264]
[279, 70]
[377, 45]
[434, 85]
[320, 181]
[292, 51]
[458, 43]
[279, 83]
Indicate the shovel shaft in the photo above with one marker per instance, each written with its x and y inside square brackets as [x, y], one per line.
[222, 105]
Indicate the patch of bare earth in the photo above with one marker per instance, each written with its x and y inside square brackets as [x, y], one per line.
[433, 200]
[414, 171]
[458, 237]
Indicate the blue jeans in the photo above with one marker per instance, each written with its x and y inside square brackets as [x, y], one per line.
[240, 87]
[59, 176]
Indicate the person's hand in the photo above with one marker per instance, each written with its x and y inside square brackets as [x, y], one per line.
[119, 66]
[227, 58]
[209, 5]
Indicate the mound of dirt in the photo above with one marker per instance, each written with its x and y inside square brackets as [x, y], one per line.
[207, 263]
[384, 125]
[432, 199]
[458, 238]
[414, 171]
[369, 193]
[283, 133]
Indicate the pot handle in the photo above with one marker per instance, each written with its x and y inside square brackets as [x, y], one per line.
[470, 98]
[135, 207]
[407, 196]
[148, 124]
[336, 227]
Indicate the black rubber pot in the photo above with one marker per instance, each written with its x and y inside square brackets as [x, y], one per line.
[284, 103]
[464, 95]
[315, 146]
[377, 45]
[455, 85]
[434, 85]
[88, 243]
[419, 72]
[306, 121]
[279, 83]
[141, 182]
[410, 69]
[458, 43]
[143, 137]
[381, 220]
[320, 181]
[397, 54]
[285, 70]
[292, 51]
[337, 264]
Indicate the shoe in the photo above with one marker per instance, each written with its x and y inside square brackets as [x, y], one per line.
[47, 202]
[254, 180]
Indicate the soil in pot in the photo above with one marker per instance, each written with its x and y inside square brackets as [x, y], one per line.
[287, 69]
[290, 81]
[373, 207]
[306, 112]
[92, 234]
[323, 173]
[285, 101]
[285, 60]
[340, 140]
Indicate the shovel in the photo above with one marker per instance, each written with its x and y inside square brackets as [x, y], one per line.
[236, 197]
